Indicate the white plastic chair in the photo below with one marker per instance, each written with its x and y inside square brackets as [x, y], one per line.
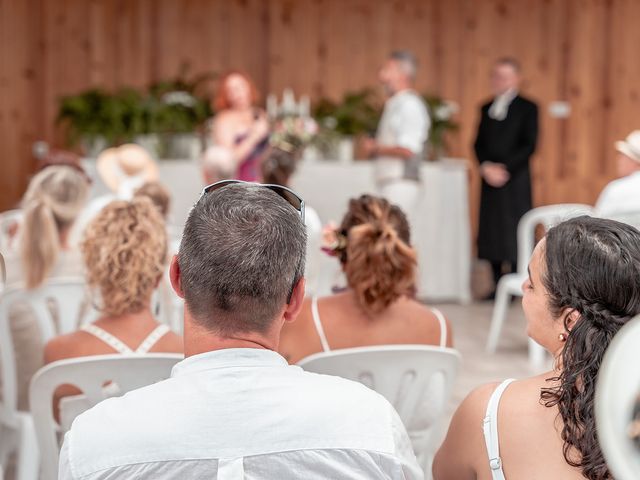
[89, 374]
[68, 296]
[416, 379]
[511, 284]
[617, 390]
[630, 217]
[8, 219]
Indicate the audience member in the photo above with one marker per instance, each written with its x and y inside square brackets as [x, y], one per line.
[582, 288]
[373, 246]
[623, 195]
[55, 197]
[159, 196]
[234, 408]
[124, 251]
[277, 168]
[240, 125]
[217, 164]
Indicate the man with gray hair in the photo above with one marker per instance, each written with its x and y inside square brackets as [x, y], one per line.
[234, 408]
[402, 133]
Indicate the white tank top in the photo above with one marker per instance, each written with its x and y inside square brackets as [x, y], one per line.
[119, 346]
[323, 338]
[490, 431]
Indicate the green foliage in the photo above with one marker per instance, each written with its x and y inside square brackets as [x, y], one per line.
[173, 106]
[358, 113]
[441, 114]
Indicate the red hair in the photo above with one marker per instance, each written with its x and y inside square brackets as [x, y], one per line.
[221, 100]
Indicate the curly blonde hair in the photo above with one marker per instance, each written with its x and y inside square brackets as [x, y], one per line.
[124, 250]
[378, 260]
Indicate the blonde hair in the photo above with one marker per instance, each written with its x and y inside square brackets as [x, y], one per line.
[124, 250]
[52, 202]
[379, 262]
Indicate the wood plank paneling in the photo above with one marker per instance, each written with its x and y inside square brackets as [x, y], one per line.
[580, 51]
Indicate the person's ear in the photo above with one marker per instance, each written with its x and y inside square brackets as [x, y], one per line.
[175, 276]
[295, 304]
[571, 318]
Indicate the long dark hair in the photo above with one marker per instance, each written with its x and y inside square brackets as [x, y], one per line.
[592, 267]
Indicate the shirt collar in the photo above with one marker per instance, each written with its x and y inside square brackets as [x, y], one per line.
[229, 358]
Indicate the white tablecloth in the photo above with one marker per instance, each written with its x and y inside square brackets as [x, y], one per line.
[440, 232]
[440, 229]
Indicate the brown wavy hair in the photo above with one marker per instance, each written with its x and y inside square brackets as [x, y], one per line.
[124, 250]
[592, 267]
[378, 260]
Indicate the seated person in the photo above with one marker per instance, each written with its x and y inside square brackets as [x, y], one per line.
[124, 252]
[234, 408]
[217, 164]
[378, 307]
[158, 194]
[623, 195]
[277, 168]
[582, 288]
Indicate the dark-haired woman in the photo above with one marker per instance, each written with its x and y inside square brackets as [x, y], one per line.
[582, 288]
[378, 308]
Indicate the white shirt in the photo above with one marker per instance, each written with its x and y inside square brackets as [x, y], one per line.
[404, 123]
[500, 106]
[240, 414]
[620, 196]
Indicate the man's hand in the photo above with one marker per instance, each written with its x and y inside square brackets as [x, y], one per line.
[495, 174]
[368, 147]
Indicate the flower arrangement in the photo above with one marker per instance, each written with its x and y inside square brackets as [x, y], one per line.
[292, 127]
[441, 113]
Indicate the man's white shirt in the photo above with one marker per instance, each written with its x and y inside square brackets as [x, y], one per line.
[241, 414]
[404, 123]
[620, 196]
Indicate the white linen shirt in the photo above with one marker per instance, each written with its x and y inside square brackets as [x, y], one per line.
[404, 123]
[620, 196]
[240, 414]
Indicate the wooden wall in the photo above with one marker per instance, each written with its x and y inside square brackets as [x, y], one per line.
[580, 51]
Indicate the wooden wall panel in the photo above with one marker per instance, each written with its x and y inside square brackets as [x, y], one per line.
[581, 51]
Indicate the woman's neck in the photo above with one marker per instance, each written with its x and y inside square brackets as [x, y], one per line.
[142, 318]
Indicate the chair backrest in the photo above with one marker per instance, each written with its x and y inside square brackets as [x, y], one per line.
[617, 391]
[416, 379]
[65, 295]
[7, 220]
[547, 216]
[89, 374]
[629, 217]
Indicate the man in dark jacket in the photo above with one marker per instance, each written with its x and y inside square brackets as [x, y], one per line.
[506, 140]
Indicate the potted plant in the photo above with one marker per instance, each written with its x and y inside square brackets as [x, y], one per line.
[441, 113]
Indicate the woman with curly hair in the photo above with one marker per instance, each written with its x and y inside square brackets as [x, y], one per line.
[582, 288]
[124, 250]
[378, 308]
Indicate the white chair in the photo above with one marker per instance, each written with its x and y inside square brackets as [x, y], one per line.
[511, 284]
[630, 217]
[89, 374]
[617, 391]
[8, 219]
[416, 379]
[68, 297]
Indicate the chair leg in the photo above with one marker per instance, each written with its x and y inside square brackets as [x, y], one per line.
[28, 462]
[537, 356]
[497, 318]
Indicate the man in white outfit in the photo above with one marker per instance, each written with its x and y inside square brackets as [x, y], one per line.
[402, 133]
[234, 409]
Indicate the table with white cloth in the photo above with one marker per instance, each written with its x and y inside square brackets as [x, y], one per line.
[440, 222]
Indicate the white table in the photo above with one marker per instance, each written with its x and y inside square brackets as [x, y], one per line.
[440, 230]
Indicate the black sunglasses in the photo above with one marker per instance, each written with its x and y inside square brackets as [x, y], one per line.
[289, 195]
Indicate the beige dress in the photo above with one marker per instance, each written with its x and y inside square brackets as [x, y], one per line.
[27, 340]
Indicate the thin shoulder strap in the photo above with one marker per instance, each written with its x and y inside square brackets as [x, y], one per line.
[107, 338]
[148, 343]
[443, 326]
[316, 321]
[490, 430]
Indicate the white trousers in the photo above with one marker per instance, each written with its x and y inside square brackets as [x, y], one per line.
[403, 193]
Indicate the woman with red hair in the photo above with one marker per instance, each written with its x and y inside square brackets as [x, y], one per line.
[240, 125]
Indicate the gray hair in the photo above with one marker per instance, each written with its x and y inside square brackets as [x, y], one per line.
[242, 253]
[407, 60]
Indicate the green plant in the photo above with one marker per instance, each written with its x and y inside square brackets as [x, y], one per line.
[441, 114]
[357, 113]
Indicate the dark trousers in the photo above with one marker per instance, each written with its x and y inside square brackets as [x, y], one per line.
[500, 268]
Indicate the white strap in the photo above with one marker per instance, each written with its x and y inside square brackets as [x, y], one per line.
[148, 343]
[490, 430]
[443, 326]
[107, 338]
[316, 320]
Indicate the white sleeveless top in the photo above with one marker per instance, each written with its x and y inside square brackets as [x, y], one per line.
[323, 338]
[490, 430]
[119, 346]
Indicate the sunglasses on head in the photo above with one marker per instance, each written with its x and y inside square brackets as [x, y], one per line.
[289, 195]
